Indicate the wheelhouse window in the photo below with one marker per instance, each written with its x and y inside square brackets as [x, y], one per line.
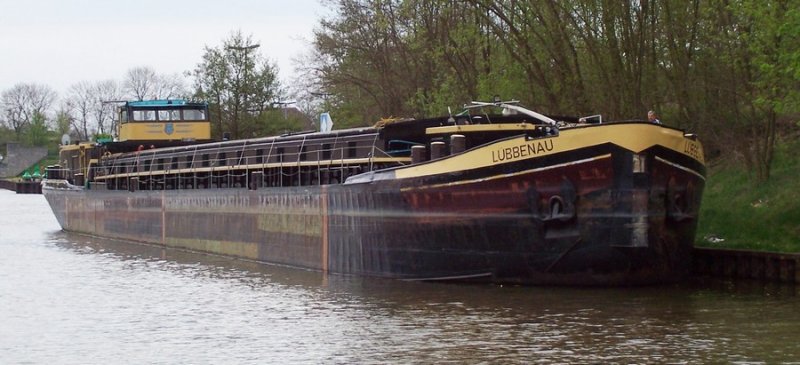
[163, 112]
[169, 115]
[144, 115]
[194, 114]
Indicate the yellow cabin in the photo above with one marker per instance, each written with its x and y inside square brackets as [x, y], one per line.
[164, 120]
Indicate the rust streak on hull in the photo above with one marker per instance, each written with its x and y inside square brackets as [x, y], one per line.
[324, 211]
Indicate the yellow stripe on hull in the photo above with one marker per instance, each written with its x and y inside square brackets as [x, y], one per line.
[633, 137]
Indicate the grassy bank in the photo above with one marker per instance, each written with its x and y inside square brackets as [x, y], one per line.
[737, 213]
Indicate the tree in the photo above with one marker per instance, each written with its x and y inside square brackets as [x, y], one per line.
[90, 109]
[726, 69]
[278, 121]
[80, 101]
[772, 60]
[36, 131]
[239, 84]
[363, 60]
[63, 120]
[103, 111]
[750, 73]
[143, 83]
[22, 102]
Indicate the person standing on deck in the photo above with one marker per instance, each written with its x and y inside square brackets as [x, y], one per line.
[652, 118]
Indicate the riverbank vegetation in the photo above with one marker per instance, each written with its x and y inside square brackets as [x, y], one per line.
[736, 213]
[727, 70]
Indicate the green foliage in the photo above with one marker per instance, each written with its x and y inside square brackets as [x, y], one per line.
[63, 122]
[238, 83]
[503, 82]
[103, 137]
[398, 59]
[36, 133]
[765, 217]
[21, 103]
[759, 43]
[6, 135]
[727, 69]
[277, 122]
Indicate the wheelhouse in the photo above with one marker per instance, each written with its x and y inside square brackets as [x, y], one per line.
[164, 120]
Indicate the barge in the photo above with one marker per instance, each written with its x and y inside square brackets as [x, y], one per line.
[497, 194]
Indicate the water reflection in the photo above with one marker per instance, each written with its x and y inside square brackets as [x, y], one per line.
[355, 319]
[72, 299]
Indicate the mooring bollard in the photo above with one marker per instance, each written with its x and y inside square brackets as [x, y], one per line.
[458, 143]
[417, 154]
[437, 150]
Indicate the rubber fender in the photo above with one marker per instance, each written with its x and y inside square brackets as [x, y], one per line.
[566, 199]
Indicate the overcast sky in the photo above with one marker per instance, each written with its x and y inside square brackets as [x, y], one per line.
[63, 42]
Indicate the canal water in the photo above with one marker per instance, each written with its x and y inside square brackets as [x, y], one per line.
[72, 299]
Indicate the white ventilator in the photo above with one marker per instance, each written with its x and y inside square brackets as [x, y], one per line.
[325, 122]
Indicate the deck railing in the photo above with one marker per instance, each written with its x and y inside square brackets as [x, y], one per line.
[251, 164]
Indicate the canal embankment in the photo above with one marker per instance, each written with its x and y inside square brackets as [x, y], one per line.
[749, 229]
[22, 187]
[738, 212]
[18, 158]
[746, 264]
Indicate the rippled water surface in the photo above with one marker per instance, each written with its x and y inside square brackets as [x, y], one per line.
[71, 299]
